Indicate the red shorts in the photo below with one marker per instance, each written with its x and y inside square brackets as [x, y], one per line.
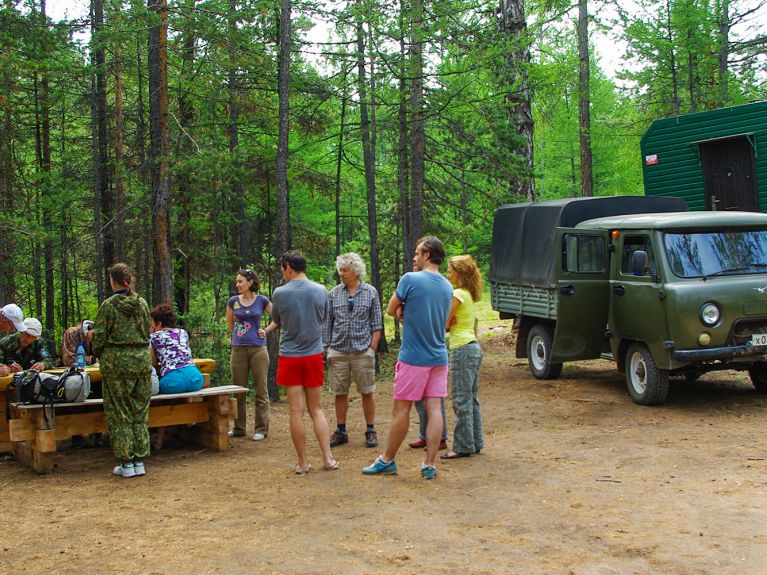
[307, 371]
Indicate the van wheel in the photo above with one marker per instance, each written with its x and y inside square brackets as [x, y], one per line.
[758, 375]
[539, 351]
[647, 383]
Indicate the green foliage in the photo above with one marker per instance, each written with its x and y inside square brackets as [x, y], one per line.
[223, 192]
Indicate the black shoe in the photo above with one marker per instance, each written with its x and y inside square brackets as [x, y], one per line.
[339, 438]
[371, 438]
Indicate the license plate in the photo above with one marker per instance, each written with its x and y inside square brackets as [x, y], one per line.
[759, 339]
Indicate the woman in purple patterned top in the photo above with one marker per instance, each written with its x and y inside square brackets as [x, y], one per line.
[171, 354]
[249, 355]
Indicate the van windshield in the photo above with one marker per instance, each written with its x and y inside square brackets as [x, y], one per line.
[703, 254]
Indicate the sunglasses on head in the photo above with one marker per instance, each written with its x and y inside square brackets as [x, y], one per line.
[248, 272]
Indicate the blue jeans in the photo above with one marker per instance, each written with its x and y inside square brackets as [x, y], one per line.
[423, 420]
[181, 380]
[464, 375]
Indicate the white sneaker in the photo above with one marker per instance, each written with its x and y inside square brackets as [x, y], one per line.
[138, 468]
[125, 470]
[259, 437]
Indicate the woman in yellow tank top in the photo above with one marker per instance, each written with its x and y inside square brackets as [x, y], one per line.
[465, 357]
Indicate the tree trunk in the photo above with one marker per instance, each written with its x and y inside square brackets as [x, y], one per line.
[672, 61]
[7, 243]
[692, 65]
[402, 152]
[146, 214]
[283, 83]
[417, 167]
[517, 99]
[106, 224]
[187, 115]
[368, 154]
[584, 112]
[36, 206]
[97, 169]
[43, 105]
[158, 154]
[339, 163]
[119, 190]
[282, 243]
[238, 200]
[724, 53]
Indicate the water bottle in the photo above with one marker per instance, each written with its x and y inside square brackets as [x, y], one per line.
[80, 361]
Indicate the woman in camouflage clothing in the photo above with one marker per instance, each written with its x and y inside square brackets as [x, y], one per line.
[120, 338]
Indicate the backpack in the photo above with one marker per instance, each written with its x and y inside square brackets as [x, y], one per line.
[72, 386]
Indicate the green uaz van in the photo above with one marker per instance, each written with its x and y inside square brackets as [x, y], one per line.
[641, 280]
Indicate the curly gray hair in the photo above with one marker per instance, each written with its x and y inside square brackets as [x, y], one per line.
[353, 262]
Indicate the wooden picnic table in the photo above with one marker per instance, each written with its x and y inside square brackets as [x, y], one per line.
[205, 365]
[34, 429]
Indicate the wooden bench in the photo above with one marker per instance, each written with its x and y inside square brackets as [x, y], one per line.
[34, 430]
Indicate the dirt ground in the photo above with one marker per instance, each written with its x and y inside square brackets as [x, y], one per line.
[575, 479]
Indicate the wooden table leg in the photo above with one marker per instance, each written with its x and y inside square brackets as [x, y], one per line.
[38, 453]
[213, 433]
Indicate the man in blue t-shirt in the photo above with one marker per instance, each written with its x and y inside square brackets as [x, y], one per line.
[422, 301]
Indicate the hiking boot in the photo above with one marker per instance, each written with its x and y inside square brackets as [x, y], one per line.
[371, 438]
[380, 467]
[125, 470]
[138, 468]
[338, 438]
[428, 471]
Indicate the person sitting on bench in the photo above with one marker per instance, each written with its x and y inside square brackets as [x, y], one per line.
[25, 349]
[171, 354]
[73, 337]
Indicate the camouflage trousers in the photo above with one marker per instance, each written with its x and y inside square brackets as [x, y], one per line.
[126, 403]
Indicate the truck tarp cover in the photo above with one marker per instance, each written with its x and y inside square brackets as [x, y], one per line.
[524, 234]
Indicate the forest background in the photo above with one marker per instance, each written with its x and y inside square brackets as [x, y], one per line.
[193, 137]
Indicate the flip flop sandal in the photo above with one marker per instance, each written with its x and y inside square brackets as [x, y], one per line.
[302, 470]
[335, 465]
[454, 455]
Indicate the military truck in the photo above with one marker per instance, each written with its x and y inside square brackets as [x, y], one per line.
[640, 280]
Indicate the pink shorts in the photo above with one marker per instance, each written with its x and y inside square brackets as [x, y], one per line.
[414, 382]
[307, 371]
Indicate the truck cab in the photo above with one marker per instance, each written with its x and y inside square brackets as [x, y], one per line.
[662, 292]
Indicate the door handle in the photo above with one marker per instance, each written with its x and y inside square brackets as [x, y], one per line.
[569, 289]
[619, 290]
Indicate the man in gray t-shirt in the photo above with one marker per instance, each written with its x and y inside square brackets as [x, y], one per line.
[299, 308]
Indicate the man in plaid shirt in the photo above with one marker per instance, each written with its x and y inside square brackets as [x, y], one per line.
[351, 335]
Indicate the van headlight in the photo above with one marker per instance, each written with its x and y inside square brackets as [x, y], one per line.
[710, 314]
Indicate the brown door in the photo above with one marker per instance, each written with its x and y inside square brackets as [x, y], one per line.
[728, 175]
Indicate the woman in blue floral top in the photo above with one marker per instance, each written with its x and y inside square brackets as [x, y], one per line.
[249, 355]
[171, 354]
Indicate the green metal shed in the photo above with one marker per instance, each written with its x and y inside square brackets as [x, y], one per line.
[715, 160]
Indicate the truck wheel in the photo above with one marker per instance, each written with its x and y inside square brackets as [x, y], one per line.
[758, 375]
[647, 383]
[539, 351]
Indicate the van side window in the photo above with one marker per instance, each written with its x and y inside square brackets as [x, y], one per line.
[584, 254]
[632, 244]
